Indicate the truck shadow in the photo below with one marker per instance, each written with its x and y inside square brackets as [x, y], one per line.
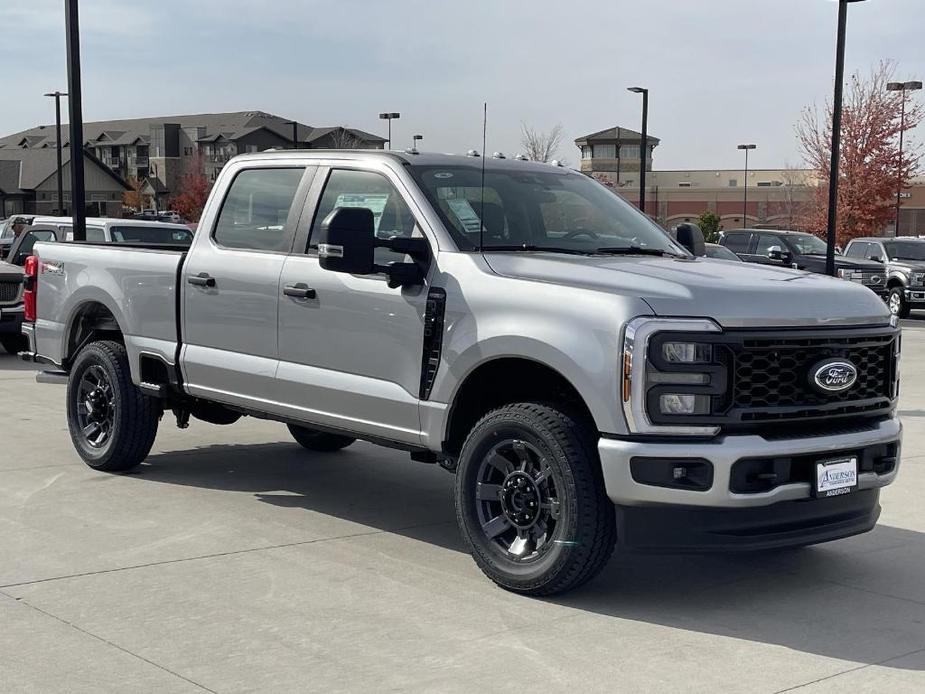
[860, 599]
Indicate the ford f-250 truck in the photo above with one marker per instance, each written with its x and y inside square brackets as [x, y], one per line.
[588, 379]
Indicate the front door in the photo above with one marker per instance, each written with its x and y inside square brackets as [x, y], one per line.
[350, 353]
[231, 287]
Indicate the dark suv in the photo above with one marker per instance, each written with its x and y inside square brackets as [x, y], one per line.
[902, 261]
[801, 251]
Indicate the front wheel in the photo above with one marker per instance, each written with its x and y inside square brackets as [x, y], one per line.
[112, 423]
[897, 302]
[530, 499]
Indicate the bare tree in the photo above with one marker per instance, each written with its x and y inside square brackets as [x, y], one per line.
[342, 138]
[539, 145]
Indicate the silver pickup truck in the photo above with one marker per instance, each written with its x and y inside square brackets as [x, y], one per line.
[590, 381]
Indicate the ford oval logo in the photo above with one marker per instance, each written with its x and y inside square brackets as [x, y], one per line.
[833, 376]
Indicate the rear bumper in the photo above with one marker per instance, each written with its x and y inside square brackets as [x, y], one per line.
[11, 319]
[658, 514]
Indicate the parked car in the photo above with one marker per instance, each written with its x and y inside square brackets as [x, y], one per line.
[170, 216]
[903, 261]
[11, 308]
[588, 379]
[714, 250]
[108, 230]
[8, 232]
[801, 251]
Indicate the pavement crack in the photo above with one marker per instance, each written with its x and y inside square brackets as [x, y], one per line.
[216, 555]
[850, 670]
[101, 639]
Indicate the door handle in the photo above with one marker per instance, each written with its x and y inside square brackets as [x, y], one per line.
[203, 279]
[299, 291]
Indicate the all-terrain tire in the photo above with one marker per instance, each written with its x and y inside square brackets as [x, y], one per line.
[321, 441]
[585, 530]
[133, 416]
[896, 301]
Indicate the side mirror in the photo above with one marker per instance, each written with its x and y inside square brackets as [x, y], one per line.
[347, 241]
[691, 237]
[778, 254]
[876, 258]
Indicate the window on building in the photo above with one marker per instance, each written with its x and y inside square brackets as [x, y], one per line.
[629, 151]
[605, 151]
[254, 212]
[586, 151]
[764, 184]
[733, 182]
[373, 191]
[684, 184]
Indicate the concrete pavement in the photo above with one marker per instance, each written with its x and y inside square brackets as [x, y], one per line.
[235, 561]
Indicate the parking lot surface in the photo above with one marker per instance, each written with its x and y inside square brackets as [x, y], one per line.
[233, 560]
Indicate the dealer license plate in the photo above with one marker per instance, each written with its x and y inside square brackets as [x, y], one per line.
[836, 477]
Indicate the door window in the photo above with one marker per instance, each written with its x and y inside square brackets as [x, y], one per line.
[737, 243]
[373, 191]
[255, 210]
[766, 242]
[857, 249]
[874, 251]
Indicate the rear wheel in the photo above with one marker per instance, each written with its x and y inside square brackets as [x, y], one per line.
[112, 423]
[315, 440]
[897, 302]
[530, 499]
[13, 343]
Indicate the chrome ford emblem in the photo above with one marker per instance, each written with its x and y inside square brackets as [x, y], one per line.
[833, 376]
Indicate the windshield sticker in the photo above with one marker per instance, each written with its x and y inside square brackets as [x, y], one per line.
[374, 202]
[465, 214]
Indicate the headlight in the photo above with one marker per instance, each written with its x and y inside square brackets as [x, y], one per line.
[918, 278]
[852, 275]
[671, 383]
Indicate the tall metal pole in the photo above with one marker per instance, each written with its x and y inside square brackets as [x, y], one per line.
[836, 137]
[58, 145]
[899, 183]
[78, 194]
[644, 151]
[390, 133]
[745, 193]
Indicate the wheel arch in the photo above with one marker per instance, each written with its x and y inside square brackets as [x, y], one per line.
[90, 318]
[501, 381]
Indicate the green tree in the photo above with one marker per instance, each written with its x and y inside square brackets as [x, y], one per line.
[709, 225]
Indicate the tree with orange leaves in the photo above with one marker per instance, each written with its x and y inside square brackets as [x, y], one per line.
[194, 190]
[871, 167]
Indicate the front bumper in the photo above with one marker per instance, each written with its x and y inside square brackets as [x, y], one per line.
[915, 296]
[664, 518]
[11, 319]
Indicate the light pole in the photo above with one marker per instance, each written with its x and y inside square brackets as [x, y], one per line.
[390, 117]
[57, 97]
[78, 195]
[836, 136]
[901, 87]
[643, 146]
[747, 149]
[414, 141]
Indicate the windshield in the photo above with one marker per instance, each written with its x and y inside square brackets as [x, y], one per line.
[905, 250]
[151, 234]
[806, 244]
[529, 210]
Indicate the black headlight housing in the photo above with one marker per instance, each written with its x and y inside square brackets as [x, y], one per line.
[686, 379]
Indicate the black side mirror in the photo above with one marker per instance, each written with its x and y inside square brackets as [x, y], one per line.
[691, 237]
[347, 241]
[876, 258]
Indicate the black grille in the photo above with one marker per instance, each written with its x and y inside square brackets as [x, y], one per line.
[10, 291]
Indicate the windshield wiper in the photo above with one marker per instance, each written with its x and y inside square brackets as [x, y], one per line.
[634, 250]
[532, 247]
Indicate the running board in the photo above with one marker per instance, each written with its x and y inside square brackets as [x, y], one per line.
[58, 378]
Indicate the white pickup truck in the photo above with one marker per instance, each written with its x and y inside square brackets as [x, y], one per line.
[588, 379]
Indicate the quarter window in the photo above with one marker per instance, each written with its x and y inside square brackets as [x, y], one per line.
[255, 210]
[737, 243]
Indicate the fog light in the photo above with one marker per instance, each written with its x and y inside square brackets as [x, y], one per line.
[674, 403]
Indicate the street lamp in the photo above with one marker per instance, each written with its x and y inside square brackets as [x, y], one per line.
[414, 141]
[389, 117]
[644, 145]
[836, 135]
[78, 194]
[57, 97]
[747, 149]
[901, 87]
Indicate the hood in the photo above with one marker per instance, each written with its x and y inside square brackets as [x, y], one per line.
[10, 271]
[908, 265]
[731, 293]
[817, 263]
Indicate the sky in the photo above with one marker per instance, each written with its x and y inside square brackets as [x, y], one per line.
[720, 72]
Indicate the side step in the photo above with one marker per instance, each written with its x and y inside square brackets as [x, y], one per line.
[58, 378]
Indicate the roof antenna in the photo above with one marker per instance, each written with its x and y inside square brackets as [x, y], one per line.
[482, 202]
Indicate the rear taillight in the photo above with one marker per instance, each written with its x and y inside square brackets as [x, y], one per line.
[31, 288]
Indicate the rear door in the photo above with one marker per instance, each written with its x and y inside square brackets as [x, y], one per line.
[737, 242]
[231, 284]
[350, 353]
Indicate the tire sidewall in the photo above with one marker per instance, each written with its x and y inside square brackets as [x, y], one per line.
[93, 355]
[902, 302]
[494, 429]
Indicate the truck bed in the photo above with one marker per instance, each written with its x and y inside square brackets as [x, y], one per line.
[136, 283]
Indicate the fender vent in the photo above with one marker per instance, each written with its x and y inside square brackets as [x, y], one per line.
[433, 339]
